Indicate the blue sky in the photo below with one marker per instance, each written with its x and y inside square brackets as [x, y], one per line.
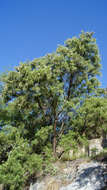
[33, 28]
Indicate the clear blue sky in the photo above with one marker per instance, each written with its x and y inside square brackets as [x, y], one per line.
[32, 28]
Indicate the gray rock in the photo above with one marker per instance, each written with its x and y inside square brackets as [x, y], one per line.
[88, 177]
[37, 186]
[77, 176]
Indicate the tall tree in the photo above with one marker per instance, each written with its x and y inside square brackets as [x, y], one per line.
[45, 90]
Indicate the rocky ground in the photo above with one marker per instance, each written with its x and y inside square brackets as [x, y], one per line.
[88, 176]
[80, 174]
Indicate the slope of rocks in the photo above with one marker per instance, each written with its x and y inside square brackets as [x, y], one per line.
[77, 175]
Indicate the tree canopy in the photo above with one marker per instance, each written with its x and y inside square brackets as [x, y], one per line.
[48, 102]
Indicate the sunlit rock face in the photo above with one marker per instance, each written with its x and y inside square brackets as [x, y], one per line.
[89, 176]
[95, 146]
[78, 175]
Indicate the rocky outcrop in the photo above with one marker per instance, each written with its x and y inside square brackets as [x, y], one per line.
[88, 176]
[95, 146]
[77, 175]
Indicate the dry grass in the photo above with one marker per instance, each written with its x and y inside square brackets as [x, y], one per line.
[53, 185]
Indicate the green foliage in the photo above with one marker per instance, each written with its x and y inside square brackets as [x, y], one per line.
[69, 141]
[94, 151]
[91, 117]
[50, 169]
[20, 164]
[47, 88]
[8, 137]
[47, 102]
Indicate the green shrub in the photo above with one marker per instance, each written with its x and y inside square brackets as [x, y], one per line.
[21, 163]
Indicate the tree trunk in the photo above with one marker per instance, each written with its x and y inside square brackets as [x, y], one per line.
[69, 89]
[54, 139]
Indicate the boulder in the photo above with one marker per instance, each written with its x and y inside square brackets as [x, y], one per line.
[95, 146]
